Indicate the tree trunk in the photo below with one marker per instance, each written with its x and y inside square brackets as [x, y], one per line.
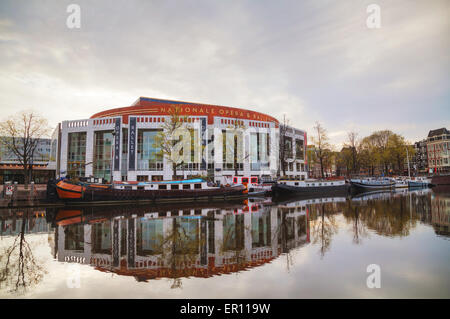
[321, 166]
[174, 171]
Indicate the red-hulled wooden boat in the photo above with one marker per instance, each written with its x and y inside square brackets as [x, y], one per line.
[185, 190]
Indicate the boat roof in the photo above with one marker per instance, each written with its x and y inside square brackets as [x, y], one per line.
[184, 181]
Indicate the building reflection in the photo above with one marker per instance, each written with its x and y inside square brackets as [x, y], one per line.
[440, 214]
[35, 222]
[149, 243]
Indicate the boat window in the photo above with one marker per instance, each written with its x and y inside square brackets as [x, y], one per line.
[254, 179]
[197, 186]
[175, 186]
[140, 187]
[313, 184]
[235, 180]
[186, 186]
[331, 183]
[320, 184]
[245, 180]
[162, 186]
[128, 187]
[296, 184]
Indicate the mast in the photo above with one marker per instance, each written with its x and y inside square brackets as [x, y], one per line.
[407, 158]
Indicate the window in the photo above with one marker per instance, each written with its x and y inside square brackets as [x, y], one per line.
[162, 186]
[245, 180]
[235, 180]
[76, 156]
[197, 186]
[140, 187]
[254, 179]
[299, 149]
[148, 155]
[175, 186]
[103, 149]
[186, 186]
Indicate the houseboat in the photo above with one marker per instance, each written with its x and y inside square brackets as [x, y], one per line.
[418, 182]
[183, 190]
[401, 182]
[372, 184]
[311, 188]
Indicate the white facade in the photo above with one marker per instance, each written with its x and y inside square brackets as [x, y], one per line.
[208, 142]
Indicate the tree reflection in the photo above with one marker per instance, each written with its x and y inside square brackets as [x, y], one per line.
[19, 269]
[353, 215]
[180, 247]
[387, 217]
[323, 226]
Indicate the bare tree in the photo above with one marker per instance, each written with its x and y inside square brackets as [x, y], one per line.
[168, 139]
[322, 145]
[353, 144]
[20, 135]
[236, 130]
[283, 148]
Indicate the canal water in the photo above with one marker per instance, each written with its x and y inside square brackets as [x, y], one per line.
[374, 245]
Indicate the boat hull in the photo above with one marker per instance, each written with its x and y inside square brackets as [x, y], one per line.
[71, 192]
[368, 187]
[280, 190]
[412, 184]
[440, 180]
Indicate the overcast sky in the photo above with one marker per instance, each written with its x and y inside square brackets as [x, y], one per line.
[311, 60]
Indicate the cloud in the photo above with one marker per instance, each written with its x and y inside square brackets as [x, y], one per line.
[310, 60]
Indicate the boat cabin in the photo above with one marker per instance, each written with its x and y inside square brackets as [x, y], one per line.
[315, 183]
[245, 180]
[190, 184]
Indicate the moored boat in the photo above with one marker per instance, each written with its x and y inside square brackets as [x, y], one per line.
[184, 190]
[419, 182]
[440, 180]
[372, 184]
[254, 185]
[311, 188]
[400, 182]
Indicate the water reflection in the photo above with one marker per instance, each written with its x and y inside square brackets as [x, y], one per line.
[205, 240]
[19, 268]
[202, 242]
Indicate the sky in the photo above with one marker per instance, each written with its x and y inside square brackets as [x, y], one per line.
[310, 61]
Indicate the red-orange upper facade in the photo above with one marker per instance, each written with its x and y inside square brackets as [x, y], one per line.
[157, 107]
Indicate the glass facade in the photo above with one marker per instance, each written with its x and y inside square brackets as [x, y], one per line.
[149, 236]
[259, 151]
[148, 154]
[76, 155]
[261, 234]
[299, 149]
[74, 237]
[232, 142]
[233, 232]
[101, 238]
[103, 143]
